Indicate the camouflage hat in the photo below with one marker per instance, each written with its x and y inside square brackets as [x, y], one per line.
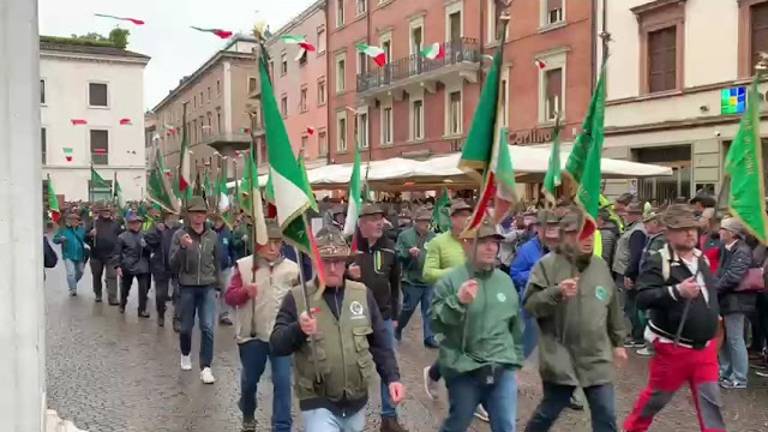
[197, 205]
[548, 217]
[485, 230]
[273, 230]
[423, 215]
[331, 243]
[679, 216]
[405, 214]
[100, 206]
[370, 209]
[733, 225]
[460, 205]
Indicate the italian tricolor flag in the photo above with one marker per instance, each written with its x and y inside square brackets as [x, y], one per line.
[355, 199]
[377, 54]
[298, 40]
[53, 202]
[185, 179]
[435, 51]
[68, 153]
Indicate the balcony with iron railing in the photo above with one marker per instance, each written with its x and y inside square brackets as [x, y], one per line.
[461, 55]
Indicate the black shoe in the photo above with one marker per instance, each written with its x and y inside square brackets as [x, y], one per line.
[122, 309]
[431, 343]
[143, 314]
[98, 300]
[114, 303]
[73, 293]
[161, 321]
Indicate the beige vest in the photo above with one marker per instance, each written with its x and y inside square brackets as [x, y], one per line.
[256, 318]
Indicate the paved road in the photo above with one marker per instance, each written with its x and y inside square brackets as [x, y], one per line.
[112, 372]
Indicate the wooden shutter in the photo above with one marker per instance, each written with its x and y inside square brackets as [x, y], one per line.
[662, 59]
[554, 91]
[759, 19]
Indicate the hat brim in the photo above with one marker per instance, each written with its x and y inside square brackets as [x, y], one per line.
[684, 225]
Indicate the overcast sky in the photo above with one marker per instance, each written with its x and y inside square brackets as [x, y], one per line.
[176, 50]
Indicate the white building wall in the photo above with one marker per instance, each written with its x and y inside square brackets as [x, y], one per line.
[66, 82]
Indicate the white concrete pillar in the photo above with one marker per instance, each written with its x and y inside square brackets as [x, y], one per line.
[22, 308]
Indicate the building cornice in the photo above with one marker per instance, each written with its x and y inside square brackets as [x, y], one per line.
[654, 5]
[318, 6]
[58, 55]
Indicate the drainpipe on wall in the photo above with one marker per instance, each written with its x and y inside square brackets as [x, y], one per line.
[593, 56]
[328, 66]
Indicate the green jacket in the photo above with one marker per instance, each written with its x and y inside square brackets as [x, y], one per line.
[444, 252]
[72, 241]
[577, 336]
[487, 331]
[413, 268]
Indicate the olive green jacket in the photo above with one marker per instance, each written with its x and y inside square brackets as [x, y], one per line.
[577, 336]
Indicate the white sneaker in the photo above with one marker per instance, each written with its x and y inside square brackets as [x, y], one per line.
[186, 362]
[645, 352]
[206, 376]
[482, 414]
[430, 386]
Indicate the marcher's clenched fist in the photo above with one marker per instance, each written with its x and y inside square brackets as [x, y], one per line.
[119, 272]
[689, 288]
[186, 241]
[569, 287]
[628, 283]
[396, 392]
[414, 251]
[468, 291]
[308, 325]
[354, 271]
[93, 232]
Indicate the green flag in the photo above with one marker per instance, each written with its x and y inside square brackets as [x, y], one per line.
[98, 181]
[744, 166]
[159, 188]
[583, 164]
[441, 213]
[117, 194]
[208, 191]
[291, 191]
[553, 178]
[53, 202]
[355, 197]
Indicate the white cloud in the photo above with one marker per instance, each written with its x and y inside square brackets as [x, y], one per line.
[176, 50]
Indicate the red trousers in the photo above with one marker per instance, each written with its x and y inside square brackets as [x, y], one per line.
[670, 368]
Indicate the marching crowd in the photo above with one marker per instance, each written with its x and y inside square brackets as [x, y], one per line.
[682, 284]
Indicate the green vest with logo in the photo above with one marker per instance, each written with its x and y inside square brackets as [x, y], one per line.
[344, 362]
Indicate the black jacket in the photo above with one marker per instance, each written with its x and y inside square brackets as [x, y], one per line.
[380, 271]
[733, 268]
[288, 338]
[665, 306]
[160, 245]
[609, 234]
[132, 253]
[104, 243]
[637, 243]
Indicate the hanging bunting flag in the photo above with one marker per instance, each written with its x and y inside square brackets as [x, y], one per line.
[100, 151]
[68, 153]
[136, 21]
[245, 130]
[125, 121]
[310, 130]
[298, 40]
[223, 34]
[436, 51]
[185, 179]
[302, 52]
[53, 202]
[79, 122]
[377, 54]
[539, 63]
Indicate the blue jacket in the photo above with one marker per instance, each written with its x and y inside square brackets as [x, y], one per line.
[227, 254]
[527, 256]
[72, 241]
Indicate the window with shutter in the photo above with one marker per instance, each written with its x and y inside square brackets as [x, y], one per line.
[662, 60]
[97, 94]
[759, 32]
[554, 11]
[99, 147]
[553, 91]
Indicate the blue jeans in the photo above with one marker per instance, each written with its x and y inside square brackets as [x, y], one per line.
[556, 397]
[530, 334]
[322, 420]
[74, 273]
[734, 360]
[465, 392]
[387, 407]
[253, 356]
[200, 300]
[413, 295]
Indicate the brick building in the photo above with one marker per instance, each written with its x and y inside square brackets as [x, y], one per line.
[415, 107]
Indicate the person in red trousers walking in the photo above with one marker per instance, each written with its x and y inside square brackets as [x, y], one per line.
[679, 292]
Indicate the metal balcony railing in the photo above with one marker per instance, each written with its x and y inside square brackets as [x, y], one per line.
[456, 51]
